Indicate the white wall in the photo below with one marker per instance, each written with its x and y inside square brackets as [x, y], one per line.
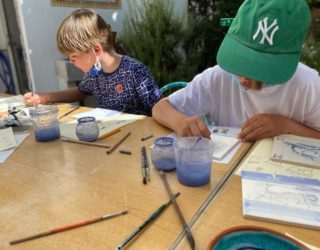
[41, 23]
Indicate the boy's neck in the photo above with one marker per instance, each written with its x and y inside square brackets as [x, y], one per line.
[110, 61]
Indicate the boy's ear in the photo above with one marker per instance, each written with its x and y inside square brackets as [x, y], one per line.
[98, 49]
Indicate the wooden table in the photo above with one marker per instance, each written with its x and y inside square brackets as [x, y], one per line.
[225, 211]
[45, 185]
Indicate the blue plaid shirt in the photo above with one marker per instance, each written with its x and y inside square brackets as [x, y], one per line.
[129, 89]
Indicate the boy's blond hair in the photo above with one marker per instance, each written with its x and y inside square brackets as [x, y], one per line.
[82, 30]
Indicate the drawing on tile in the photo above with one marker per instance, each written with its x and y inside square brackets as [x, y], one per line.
[296, 150]
[285, 199]
[259, 161]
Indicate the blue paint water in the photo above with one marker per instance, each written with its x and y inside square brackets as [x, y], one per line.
[87, 137]
[194, 175]
[165, 164]
[47, 133]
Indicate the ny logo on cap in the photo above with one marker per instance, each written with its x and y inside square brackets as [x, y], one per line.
[264, 29]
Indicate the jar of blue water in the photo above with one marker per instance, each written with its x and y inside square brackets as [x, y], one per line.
[45, 122]
[87, 129]
[193, 160]
[162, 154]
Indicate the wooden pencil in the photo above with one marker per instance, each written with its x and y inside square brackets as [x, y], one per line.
[118, 143]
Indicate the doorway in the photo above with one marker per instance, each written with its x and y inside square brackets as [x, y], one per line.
[14, 49]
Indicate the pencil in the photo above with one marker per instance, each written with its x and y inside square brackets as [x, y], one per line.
[69, 112]
[68, 227]
[153, 216]
[112, 132]
[86, 143]
[118, 143]
[179, 213]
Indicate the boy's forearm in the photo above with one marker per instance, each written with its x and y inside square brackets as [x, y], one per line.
[302, 130]
[167, 115]
[68, 95]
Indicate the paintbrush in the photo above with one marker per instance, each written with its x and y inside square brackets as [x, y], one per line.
[179, 213]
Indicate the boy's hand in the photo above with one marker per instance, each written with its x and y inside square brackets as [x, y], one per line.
[264, 126]
[31, 100]
[193, 126]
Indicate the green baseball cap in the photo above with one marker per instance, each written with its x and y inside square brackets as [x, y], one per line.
[265, 40]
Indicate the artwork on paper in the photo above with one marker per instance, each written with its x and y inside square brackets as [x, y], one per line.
[296, 150]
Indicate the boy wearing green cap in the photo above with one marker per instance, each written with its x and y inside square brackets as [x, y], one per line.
[259, 83]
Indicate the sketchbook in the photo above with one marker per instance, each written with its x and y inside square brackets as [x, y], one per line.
[281, 199]
[98, 113]
[296, 150]
[222, 145]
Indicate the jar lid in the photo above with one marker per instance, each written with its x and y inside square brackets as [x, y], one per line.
[86, 119]
[43, 109]
[164, 141]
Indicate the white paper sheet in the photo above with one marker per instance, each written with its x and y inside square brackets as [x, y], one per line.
[7, 139]
[19, 139]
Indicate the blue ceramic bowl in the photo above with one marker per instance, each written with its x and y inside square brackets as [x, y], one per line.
[253, 238]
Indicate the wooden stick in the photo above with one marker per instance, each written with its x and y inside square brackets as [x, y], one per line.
[126, 152]
[112, 132]
[146, 137]
[118, 143]
[86, 143]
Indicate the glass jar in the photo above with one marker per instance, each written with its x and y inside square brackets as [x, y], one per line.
[87, 129]
[193, 160]
[45, 122]
[162, 154]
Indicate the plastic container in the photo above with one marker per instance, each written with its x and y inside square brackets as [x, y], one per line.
[45, 122]
[193, 160]
[87, 129]
[162, 154]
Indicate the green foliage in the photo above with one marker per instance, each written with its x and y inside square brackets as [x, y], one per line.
[172, 49]
[313, 2]
[311, 55]
[311, 50]
[153, 35]
[207, 33]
